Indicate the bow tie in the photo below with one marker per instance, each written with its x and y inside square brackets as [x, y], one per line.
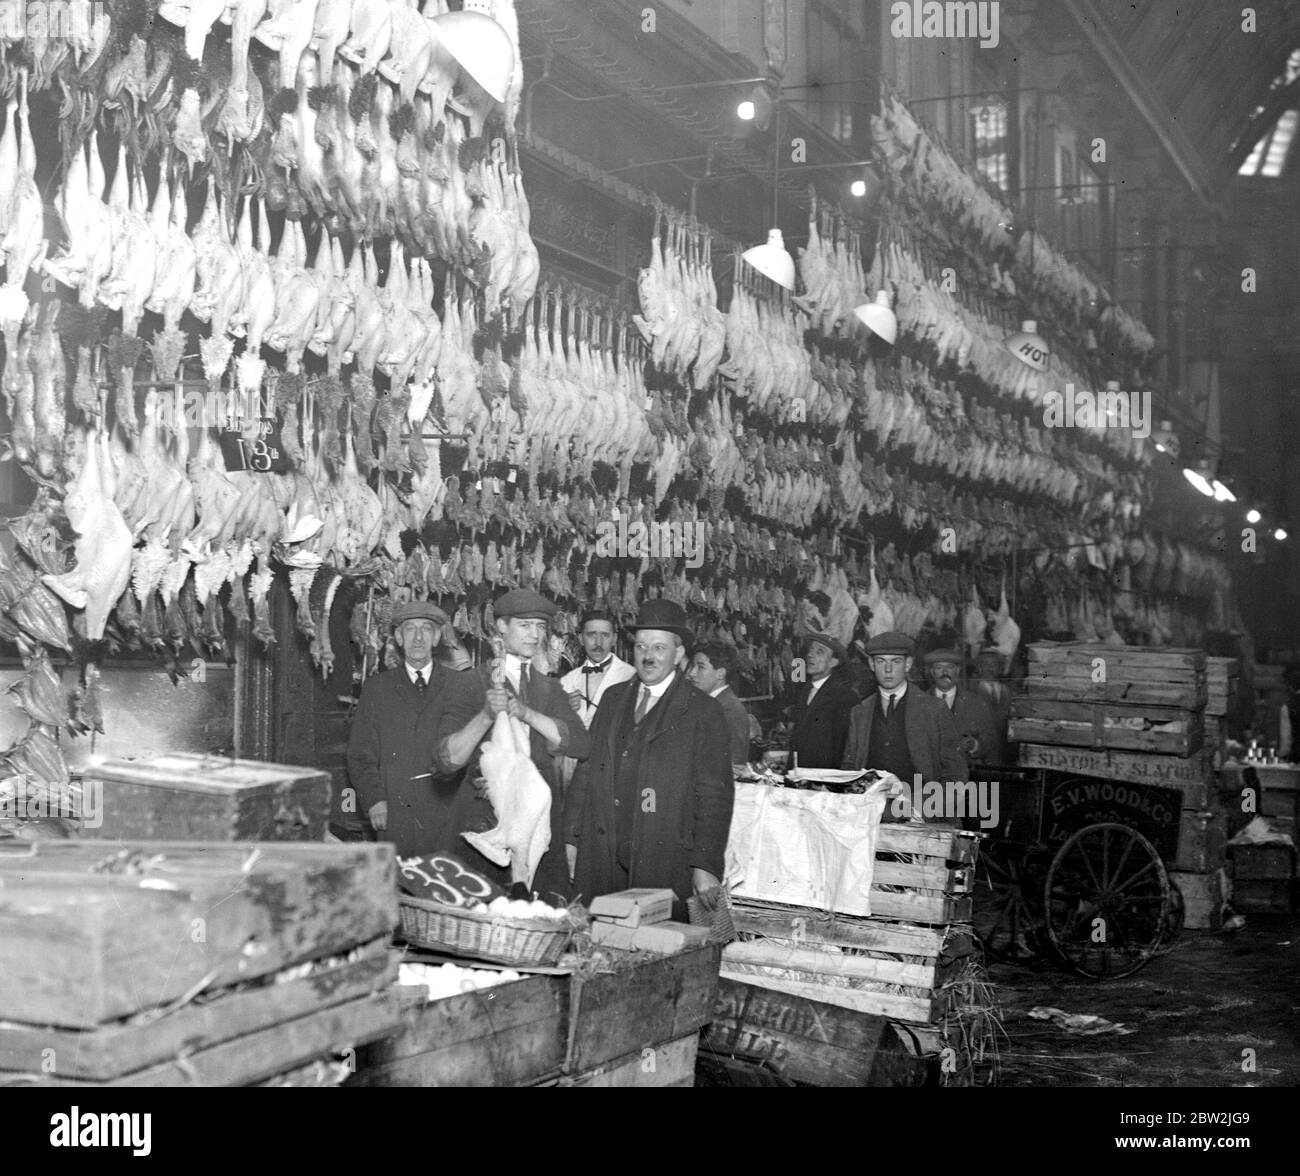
[600, 669]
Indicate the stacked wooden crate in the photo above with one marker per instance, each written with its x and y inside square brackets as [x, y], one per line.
[1262, 878]
[1221, 697]
[192, 964]
[901, 964]
[1134, 714]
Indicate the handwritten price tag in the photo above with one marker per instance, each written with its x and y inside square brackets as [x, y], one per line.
[264, 455]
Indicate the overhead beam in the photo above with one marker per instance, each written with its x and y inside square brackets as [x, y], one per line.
[1180, 149]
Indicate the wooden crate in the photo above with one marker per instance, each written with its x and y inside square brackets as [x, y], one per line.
[669, 1063]
[808, 1041]
[509, 1035]
[1083, 724]
[1221, 685]
[186, 797]
[1262, 896]
[649, 1001]
[1096, 672]
[1165, 771]
[254, 1057]
[934, 865]
[109, 1052]
[82, 947]
[1202, 841]
[1274, 862]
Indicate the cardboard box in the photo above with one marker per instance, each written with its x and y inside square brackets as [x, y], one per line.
[633, 908]
[669, 938]
[613, 935]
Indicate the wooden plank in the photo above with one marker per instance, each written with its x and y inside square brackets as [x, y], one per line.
[660, 999]
[924, 875]
[1085, 674]
[1083, 652]
[807, 1041]
[936, 841]
[1077, 734]
[920, 908]
[114, 1050]
[1128, 693]
[1135, 768]
[775, 953]
[872, 934]
[666, 1064]
[1072, 710]
[82, 949]
[254, 1057]
[859, 1000]
[509, 1035]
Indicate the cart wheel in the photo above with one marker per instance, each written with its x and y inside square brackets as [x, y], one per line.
[1107, 901]
[1005, 915]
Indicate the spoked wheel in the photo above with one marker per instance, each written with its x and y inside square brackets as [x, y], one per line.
[1006, 914]
[1108, 902]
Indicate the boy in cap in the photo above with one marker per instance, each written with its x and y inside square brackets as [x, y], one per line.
[404, 785]
[652, 805]
[522, 622]
[900, 730]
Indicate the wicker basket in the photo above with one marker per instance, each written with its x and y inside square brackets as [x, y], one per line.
[478, 935]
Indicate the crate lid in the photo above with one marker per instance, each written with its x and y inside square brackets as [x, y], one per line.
[201, 773]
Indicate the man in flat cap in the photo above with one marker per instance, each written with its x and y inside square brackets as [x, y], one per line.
[522, 623]
[976, 724]
[821, 711]
[901, 730]
[652, 806]
[407, 789]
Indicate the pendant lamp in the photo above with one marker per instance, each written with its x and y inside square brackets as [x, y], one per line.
[486, 56]
[878, 316]
[1028, 346]
[773, 260]
[1198, 476]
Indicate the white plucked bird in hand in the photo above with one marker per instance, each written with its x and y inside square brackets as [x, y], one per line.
[520, 798]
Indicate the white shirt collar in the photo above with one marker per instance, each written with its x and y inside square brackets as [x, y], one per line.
[605, 666]
[813, 687]
[897, 692]
[512, 667]
[657, 692]
[946, 696]
[411, 671]
[719, 690]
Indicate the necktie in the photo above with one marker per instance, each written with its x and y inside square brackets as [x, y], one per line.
[893, 703]
[420, 683]
[600, 669]
[524, 682]
[642, 705]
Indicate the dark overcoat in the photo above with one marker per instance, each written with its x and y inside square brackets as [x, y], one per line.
[821, 728]
[928, 728]
[547, 696]
[395, 737]
[684, 790]
[973, 714]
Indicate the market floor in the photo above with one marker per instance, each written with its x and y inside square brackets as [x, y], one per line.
[1218, 1010]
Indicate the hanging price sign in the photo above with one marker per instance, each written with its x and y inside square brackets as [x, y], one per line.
[263, 455]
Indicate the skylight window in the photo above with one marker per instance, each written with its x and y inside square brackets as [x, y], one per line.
[1269, 155]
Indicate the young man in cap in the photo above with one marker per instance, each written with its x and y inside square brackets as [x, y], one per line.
[405, 786]
[652, 805]
[711, 670]
[900, 730]
[821, 713]
[522, 622]
[976, 724]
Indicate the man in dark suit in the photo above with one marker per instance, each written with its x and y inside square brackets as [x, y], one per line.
[981, 742]
[522, 621]
[821, 714]
[410, 792]
[712, 668]
[652, 805]
[901, 730]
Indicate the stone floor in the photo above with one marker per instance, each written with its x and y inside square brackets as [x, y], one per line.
[1217, 1010]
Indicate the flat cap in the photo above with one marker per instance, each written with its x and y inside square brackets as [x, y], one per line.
[891, 643]
[523, 604]
[836, 647]
[943, 655]
[419, 610]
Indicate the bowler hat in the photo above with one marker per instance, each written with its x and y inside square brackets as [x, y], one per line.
[836, 647]
[418, 610]
[523, 604]
[943, 655]
[662, 614]
[891, 643]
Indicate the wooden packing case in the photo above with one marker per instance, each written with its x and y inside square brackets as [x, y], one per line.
[1127, 674]
[179, 796]
[92, 932]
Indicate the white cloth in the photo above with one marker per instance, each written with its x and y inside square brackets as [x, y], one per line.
[616, 670]
[804, 848]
